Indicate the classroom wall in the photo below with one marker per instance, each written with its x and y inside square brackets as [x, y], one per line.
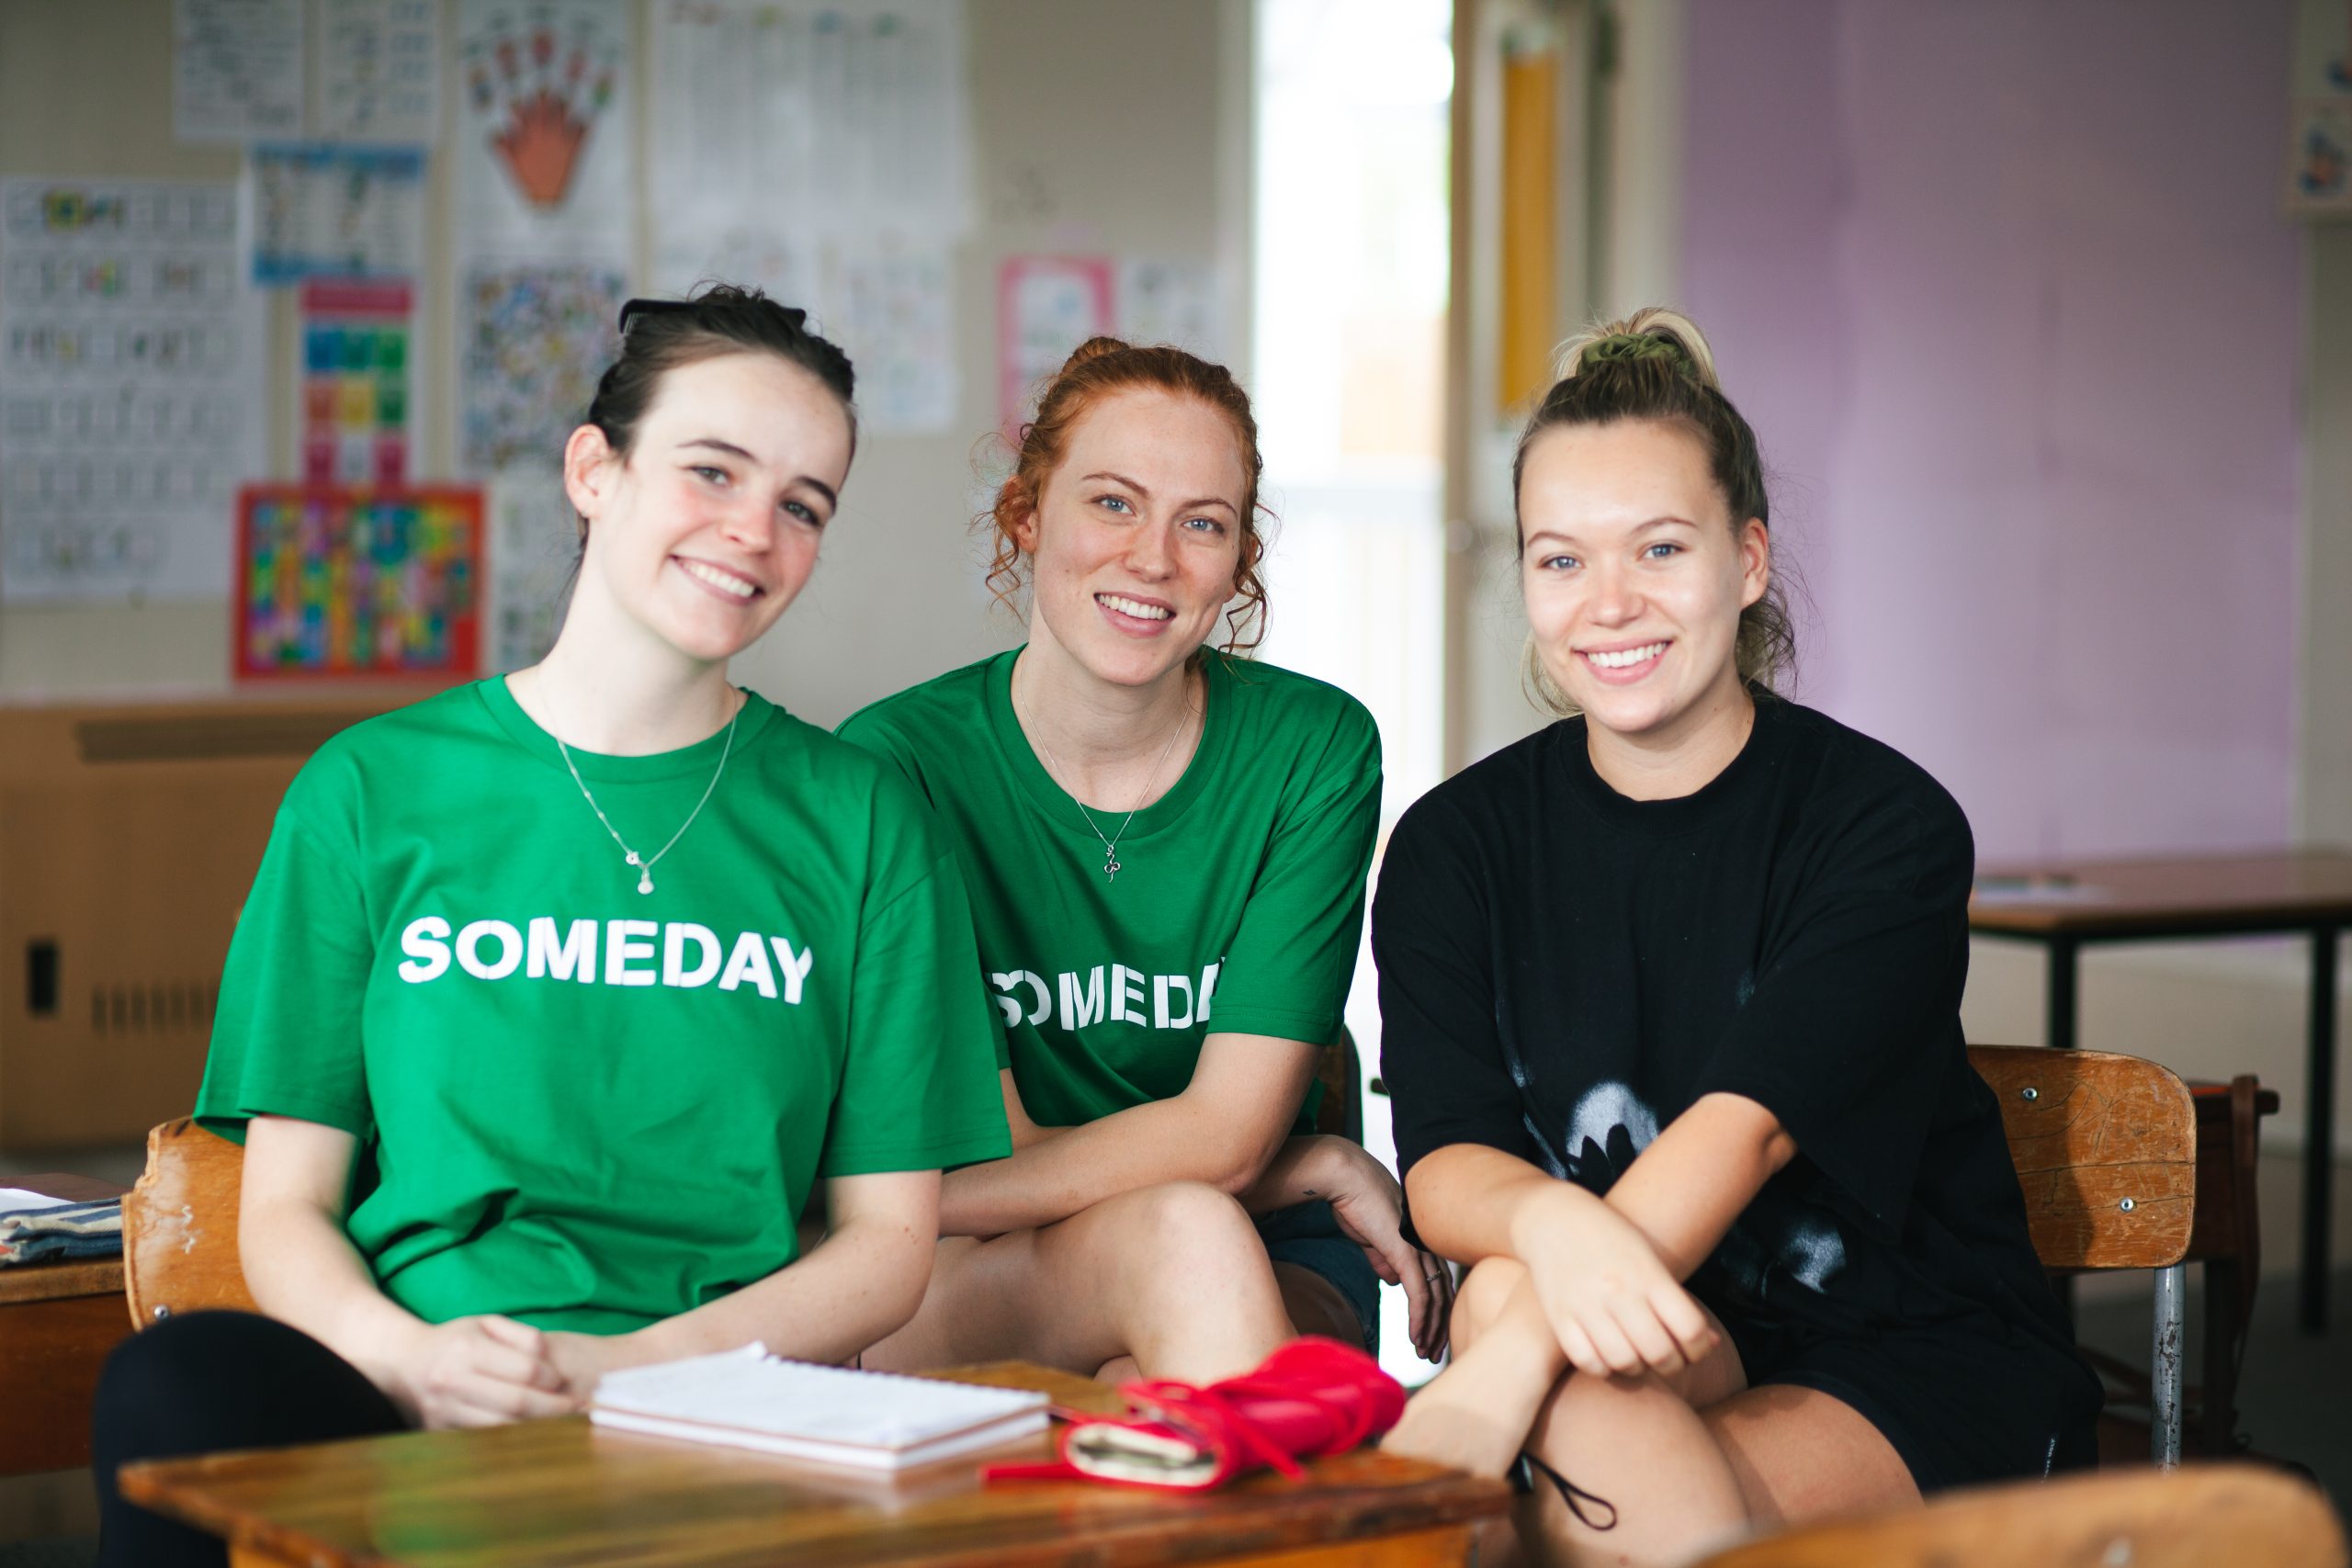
[1110, 127]
[2008, 292]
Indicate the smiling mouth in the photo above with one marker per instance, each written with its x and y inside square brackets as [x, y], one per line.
[1134, 607]
[733, 584]
[1626, 658]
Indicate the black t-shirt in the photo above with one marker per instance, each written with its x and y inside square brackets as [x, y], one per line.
[1563, 971]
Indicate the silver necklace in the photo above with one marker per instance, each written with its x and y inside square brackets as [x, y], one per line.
[1111, 867]
[645, 867]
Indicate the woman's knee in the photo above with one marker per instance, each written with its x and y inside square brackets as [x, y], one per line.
[1479, 1299]
[220, 1380]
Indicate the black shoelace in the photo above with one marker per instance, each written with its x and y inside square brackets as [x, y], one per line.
[1522, 1479]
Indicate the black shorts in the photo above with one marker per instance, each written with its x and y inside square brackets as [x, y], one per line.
[1307, 1235]
[1961, 1403]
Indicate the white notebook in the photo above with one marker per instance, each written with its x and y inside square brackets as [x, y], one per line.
[750, 1399]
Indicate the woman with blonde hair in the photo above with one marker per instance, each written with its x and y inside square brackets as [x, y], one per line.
[1670, 1010]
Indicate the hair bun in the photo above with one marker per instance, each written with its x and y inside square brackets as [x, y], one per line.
[1648, 335]
[1094, 348]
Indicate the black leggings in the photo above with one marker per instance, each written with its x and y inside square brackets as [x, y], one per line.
[204, 1383]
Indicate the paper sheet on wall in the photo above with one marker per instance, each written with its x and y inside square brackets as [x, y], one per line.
[2319, 148]
[356, 381]
[818, 114]
[236, 69]
[546, 159]
[888, 302]
[534, 540]
[1045, 307]
[322, 210]
[131, 388]
[535, 337]
[1172, 302]
[379, 70]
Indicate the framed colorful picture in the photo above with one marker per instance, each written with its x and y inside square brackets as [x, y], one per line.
[346, 583]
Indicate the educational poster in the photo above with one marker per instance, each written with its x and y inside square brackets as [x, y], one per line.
[825, 114]
[356, 385]
[2319, 148]
[534, 542]
[887, 301]
[546, 164]
[343, 582]
[534, 339]
[327, 210]
[236, 70]
[131, 388]
[379, 70]
[891, 314]
[1045, 307]
[1172, 302]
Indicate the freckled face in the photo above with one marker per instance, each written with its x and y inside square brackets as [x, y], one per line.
[1633, 572]
[709, 527]
[1136, 538]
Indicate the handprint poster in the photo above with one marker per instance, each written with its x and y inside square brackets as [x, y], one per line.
[546, 158]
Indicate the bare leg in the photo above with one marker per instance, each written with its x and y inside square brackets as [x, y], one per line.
[1173, 1276]
[1802, 1454]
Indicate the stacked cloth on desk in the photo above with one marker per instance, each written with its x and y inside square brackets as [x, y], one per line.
[70, 1231]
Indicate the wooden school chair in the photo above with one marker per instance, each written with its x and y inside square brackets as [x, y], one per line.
[2105, 1151]
[2246, 1515]
[179, 1227]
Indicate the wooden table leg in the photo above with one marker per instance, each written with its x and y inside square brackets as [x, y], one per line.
[2319, 1130]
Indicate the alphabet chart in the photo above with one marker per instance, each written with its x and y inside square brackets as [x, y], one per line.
[131, 388]
[352, 582]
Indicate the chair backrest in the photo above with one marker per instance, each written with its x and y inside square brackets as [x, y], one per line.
[1342, 1110]
[2105, 1150]
[179, 1226]
[2244, 1515]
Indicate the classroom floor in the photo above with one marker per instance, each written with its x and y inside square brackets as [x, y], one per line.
[2293, 1396]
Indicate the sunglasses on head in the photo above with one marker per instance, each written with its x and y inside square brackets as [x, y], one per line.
[637, 310]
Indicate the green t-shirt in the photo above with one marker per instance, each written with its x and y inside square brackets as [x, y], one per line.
[579, 1105]
[1239, 895]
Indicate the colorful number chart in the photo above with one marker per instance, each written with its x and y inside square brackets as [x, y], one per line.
[355, 381]
[341, 582]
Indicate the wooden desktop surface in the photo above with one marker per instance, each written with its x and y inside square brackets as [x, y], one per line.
[2207, 893]
[564, 1492]
[57, 1322]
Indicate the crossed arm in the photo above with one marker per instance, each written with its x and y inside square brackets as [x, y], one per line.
[865, 1280]
[1604, 1275]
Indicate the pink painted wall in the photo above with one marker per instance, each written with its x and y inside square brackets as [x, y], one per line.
[2005, 289]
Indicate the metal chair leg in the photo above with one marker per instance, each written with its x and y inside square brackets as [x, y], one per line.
[2163, 1367]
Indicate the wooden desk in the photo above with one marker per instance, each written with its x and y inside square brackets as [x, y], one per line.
[57, 1322]
[2306, 892]
[562, 1492]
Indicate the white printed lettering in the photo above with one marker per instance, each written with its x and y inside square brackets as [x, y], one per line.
[574, 957]
[1208, 984]
[510, 949]
[674, 954]
[426, 943]
[620, 951]
[1163, 1016]
[1081, 1007]
[749, 962]
[794, 967]
[1127, 995]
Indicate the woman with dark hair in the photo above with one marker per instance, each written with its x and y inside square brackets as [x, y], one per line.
[1166, 846]
[556, 995]
[1670, 1010]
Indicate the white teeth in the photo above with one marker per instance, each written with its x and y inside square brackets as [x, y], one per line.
[719, 577]
[1626, 658]
[1134, 607]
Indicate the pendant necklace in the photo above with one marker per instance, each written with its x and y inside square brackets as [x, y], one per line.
[1110, 866]
[645, 867]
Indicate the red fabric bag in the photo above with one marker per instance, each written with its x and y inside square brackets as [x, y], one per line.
[1311, 1397]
